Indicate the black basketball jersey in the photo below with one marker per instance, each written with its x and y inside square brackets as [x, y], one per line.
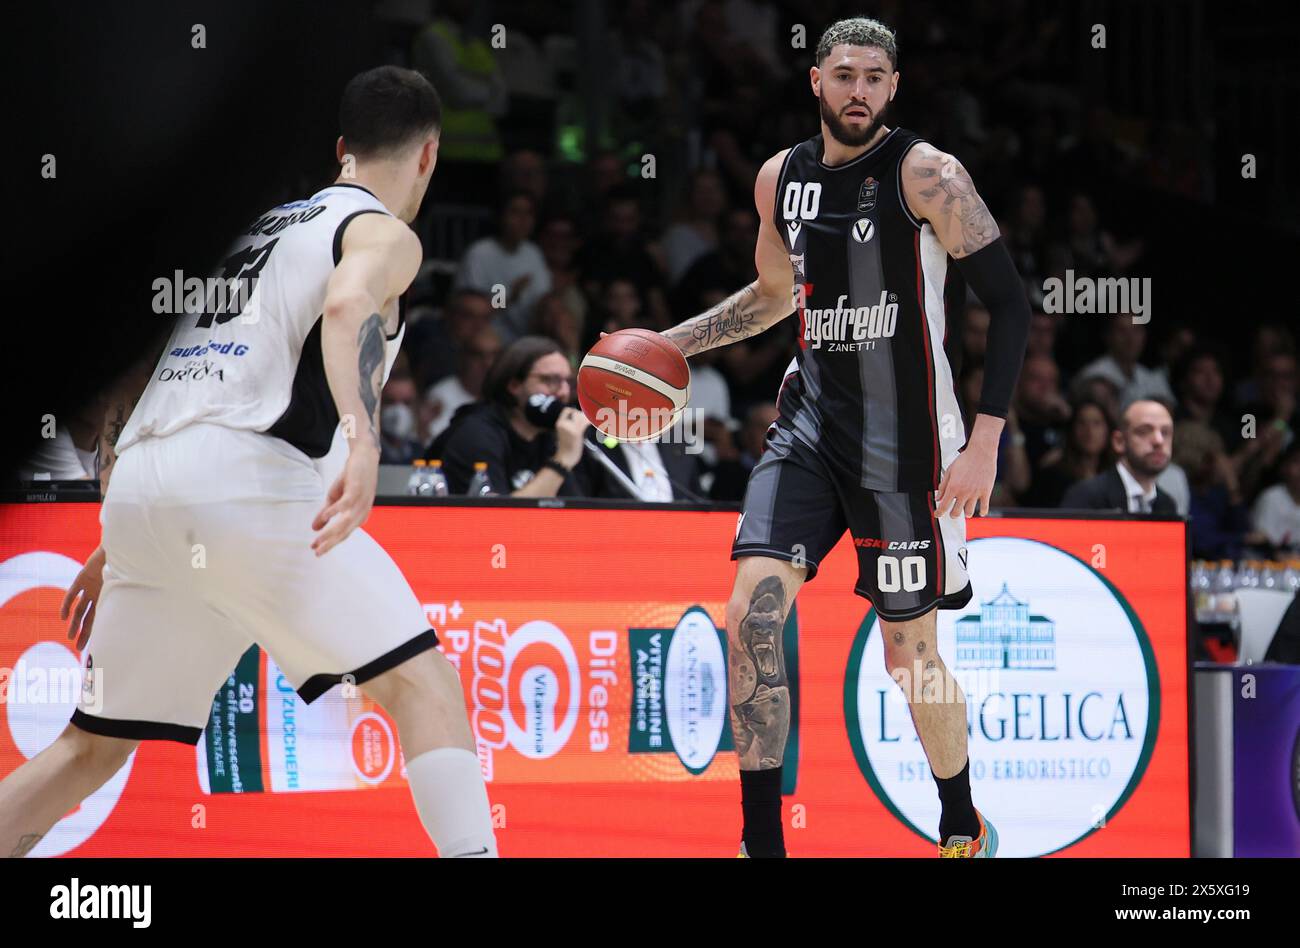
[870, 388]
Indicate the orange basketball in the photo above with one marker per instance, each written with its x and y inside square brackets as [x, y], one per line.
[633, 384]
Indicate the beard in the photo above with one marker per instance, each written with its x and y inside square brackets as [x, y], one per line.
[1147, 465]
[851, 136]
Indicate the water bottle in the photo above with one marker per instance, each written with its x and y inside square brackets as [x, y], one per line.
[1270, 579]
[479, 485]
[437, 479]
[426, 480]
[1201, 594]
[1225, 581]
[1291, 576]
[417, 476]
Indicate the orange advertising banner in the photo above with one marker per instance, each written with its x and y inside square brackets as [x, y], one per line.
[592, 652]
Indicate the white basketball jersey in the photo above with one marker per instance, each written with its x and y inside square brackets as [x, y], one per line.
[250, 356]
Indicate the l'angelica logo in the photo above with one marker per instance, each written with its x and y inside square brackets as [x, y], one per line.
[1062, 700]
[679, 692]
[1005, 635]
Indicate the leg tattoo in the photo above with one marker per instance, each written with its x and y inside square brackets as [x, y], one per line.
[760, 692]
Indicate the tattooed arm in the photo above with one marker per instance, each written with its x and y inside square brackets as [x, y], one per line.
[762, 303]
[938, 189]
[380, 258]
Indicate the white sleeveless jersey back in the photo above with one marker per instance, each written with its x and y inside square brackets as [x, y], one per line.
[258, 366]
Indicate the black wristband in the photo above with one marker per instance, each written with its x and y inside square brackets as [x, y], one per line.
[557, 467]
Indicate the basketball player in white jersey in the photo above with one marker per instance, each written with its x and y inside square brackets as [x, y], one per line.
[215, 533]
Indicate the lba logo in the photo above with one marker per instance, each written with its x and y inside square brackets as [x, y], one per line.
[1062, 701]
[40, 679]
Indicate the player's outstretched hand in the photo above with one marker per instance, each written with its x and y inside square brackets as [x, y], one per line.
[84, 591]
[348, 503]
[967, 484]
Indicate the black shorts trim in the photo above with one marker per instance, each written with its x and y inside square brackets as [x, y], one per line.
[750, 549]
[136, 730]
[951, 601]
[317, 685]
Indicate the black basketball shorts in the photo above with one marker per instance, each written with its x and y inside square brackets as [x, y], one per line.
[797, 506]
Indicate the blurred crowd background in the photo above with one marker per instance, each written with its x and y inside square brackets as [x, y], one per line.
[597, 163]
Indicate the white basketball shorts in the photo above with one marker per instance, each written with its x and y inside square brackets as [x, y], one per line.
[208, 537]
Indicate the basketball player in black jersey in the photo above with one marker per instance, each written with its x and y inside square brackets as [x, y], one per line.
[859, 228]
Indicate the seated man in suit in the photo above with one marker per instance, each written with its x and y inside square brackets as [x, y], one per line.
[1143, 442]
[662, 470]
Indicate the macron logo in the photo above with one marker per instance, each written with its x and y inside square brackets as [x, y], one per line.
[103, 901]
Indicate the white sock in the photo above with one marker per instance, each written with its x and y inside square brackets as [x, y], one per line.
[451, 797]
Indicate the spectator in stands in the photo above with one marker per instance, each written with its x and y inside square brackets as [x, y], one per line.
[1198, 379]
[530, 71]
[1094, 156]
[635, 74]
[558, 240]
[1276, 515]
[523, 460]
[737, 460]
[605, 175]
[434, 343]
[697, 232]
[1142, 442]
[1218, 520]
[1042, 335]
[1174, 346]
[1270, 422]
[1026, 238]
[1084, 454]
[1098, 388]
[1125, 341]
[621, 307]
[1087, 249]
[1041, 408]
[1015, 473]
[1269, 339]
[445, 398]
[619, 249]
[974, 333]
[509, 261]
[463, 68]
[525, 170]
[970, 384]
[725, 269]
[553, 319]
[398, 436]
